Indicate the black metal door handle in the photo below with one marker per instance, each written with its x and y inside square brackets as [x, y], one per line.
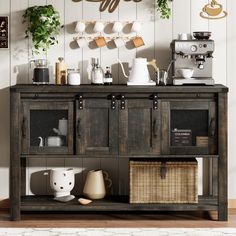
[23, 128]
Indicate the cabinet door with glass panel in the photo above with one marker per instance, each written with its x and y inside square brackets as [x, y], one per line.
[47, 127]
[189, 127]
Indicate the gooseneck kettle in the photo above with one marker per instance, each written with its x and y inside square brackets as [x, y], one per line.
[139, 72]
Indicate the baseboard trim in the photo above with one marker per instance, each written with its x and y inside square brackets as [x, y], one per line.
[5, 203]
[232, 203]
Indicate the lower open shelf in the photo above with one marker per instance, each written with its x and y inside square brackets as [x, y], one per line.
[114, 203]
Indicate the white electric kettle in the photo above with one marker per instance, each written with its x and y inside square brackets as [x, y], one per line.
[139, 74]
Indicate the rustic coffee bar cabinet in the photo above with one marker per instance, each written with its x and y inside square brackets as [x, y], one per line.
[120, 122]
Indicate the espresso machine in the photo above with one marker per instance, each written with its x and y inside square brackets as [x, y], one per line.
[195, 58]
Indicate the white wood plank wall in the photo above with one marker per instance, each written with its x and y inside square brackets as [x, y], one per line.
[4, 112]
[231, 82]
[157, 34]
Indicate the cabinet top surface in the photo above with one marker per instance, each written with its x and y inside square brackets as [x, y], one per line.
[28, 88]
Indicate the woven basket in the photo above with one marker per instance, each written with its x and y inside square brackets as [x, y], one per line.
[163, 182]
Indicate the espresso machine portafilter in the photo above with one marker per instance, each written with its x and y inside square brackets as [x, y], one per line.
[196, 55]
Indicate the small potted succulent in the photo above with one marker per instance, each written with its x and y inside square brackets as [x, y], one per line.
[43, 26]
[164, 8]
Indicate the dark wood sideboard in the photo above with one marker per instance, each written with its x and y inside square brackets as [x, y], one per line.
[120, 122]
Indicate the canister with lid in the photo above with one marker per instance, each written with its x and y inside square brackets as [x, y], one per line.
[74, 77]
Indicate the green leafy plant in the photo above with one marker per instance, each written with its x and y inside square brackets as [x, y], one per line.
[164, 8]
[43, 26]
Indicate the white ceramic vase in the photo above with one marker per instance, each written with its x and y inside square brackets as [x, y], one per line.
[62, 181]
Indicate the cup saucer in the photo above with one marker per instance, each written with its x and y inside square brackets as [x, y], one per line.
[206, 16]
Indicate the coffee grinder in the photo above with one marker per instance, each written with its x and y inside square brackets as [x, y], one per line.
[195, 55]
[41, 71]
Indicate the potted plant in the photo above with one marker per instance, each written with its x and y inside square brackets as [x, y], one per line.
[43, 26]
[164, 8]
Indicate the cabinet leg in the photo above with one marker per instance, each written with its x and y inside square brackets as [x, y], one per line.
[222, 160]
[223, 213]
[15, 163]
[15, 213]
[15, 190]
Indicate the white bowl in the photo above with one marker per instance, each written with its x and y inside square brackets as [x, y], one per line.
[185, 72]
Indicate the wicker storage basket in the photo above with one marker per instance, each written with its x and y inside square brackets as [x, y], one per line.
[163, 181]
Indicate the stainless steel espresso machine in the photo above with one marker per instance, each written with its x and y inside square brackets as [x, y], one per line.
[192, 62]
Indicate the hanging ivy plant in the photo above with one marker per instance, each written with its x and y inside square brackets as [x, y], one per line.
[164, 8]
[43, 26]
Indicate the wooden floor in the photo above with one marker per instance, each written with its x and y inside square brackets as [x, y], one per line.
[136, 220]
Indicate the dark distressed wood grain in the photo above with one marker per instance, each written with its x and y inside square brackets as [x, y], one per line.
[134, 129]
[115, 203]
[223, 160]
[15, 169]
[97, 127]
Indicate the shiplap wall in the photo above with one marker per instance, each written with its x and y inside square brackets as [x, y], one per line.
[157, 35]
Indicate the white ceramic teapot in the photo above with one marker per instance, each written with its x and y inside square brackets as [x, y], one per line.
[62, 127]
[139, 72]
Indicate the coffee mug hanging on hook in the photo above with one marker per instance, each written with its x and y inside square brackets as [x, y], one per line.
[213, 11]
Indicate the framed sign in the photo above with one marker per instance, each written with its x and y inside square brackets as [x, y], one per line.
[4, 32]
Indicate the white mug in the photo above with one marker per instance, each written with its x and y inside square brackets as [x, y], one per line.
[184, 36]
[136, 27]
[117, 27]
[119, 42]
[98, 27]
[80, 27]
[82, 42]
